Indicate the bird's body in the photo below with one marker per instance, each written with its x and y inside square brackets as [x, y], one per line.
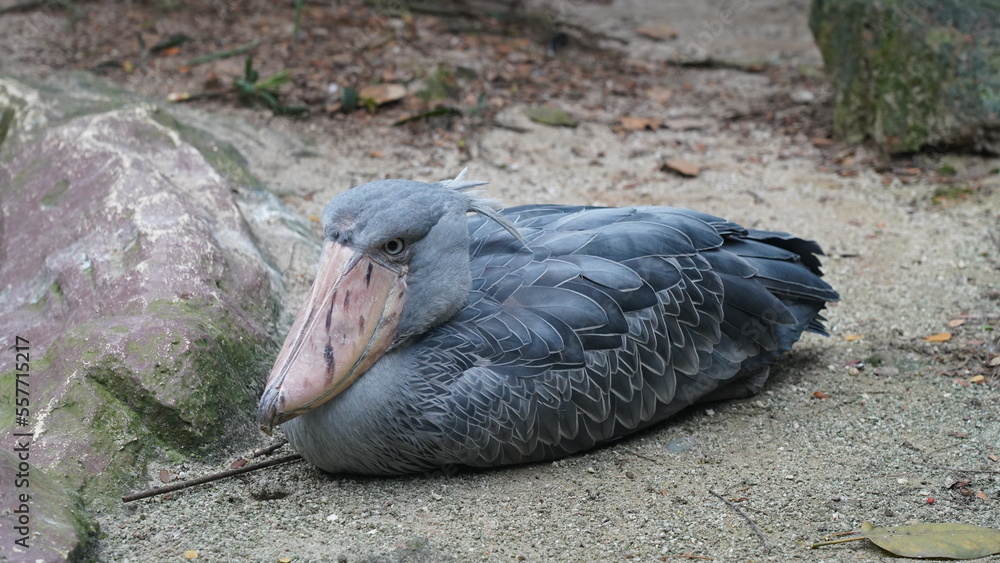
[599, 322]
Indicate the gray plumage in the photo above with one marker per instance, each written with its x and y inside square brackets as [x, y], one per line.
[590, 324]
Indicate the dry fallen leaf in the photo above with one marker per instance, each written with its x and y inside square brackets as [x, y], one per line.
[681, 166]
[238, 463]
[852, 337]
[945, 540]
[956, 322]
[658, 31]
[994, 457]
[382, 93]
[660, 94]
[939, 337]
[190, 554]
[978, 379]
[982, 495]
[820, 395]
[640, 123]
[819, 142]
[164, 476]
[886, 371]
[995, 361]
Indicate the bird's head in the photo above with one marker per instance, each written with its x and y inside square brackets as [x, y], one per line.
[395, 263]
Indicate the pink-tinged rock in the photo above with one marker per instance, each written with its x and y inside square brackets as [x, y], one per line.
[131, 273]
[41, 520]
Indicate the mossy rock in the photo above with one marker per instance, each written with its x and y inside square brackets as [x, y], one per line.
[911, 76]
[41, 520]
[138, 255]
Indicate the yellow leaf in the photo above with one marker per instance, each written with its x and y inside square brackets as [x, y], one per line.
[977, 378]
[939, 337]
[852, 337]
[190, 554]
[947, 540]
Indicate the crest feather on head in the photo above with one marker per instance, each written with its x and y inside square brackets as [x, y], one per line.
[486, 207]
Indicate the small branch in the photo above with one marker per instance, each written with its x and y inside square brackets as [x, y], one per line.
[208, 478]
[268, 450]
[224, 54]
[23, 7]
[831, 542]
[760, 534]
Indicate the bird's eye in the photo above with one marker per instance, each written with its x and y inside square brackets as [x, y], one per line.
[394, 246]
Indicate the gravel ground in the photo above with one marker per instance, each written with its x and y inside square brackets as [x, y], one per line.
[873, 423]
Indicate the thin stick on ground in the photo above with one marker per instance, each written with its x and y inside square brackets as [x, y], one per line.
[209, 478]
[760, 534]
[841, 540]
[268, 450]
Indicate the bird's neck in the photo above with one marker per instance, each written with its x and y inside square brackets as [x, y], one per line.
[356, 429]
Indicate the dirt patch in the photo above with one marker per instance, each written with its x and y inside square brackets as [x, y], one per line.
[870, 424]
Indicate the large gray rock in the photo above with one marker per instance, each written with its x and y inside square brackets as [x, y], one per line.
[41, 520]
[134, 260]
[912, 74]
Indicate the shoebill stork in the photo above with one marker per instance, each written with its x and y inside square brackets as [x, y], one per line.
[432, 337]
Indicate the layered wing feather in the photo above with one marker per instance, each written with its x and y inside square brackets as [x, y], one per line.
[606, 321]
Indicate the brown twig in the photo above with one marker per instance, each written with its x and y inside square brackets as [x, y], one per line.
[760, 534]
[854, 537]
[208, 478]
[268, 450]
[23, 6]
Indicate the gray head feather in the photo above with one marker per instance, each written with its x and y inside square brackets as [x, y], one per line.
[481, 205]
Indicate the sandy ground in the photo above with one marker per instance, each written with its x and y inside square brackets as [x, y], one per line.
[903, 438]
